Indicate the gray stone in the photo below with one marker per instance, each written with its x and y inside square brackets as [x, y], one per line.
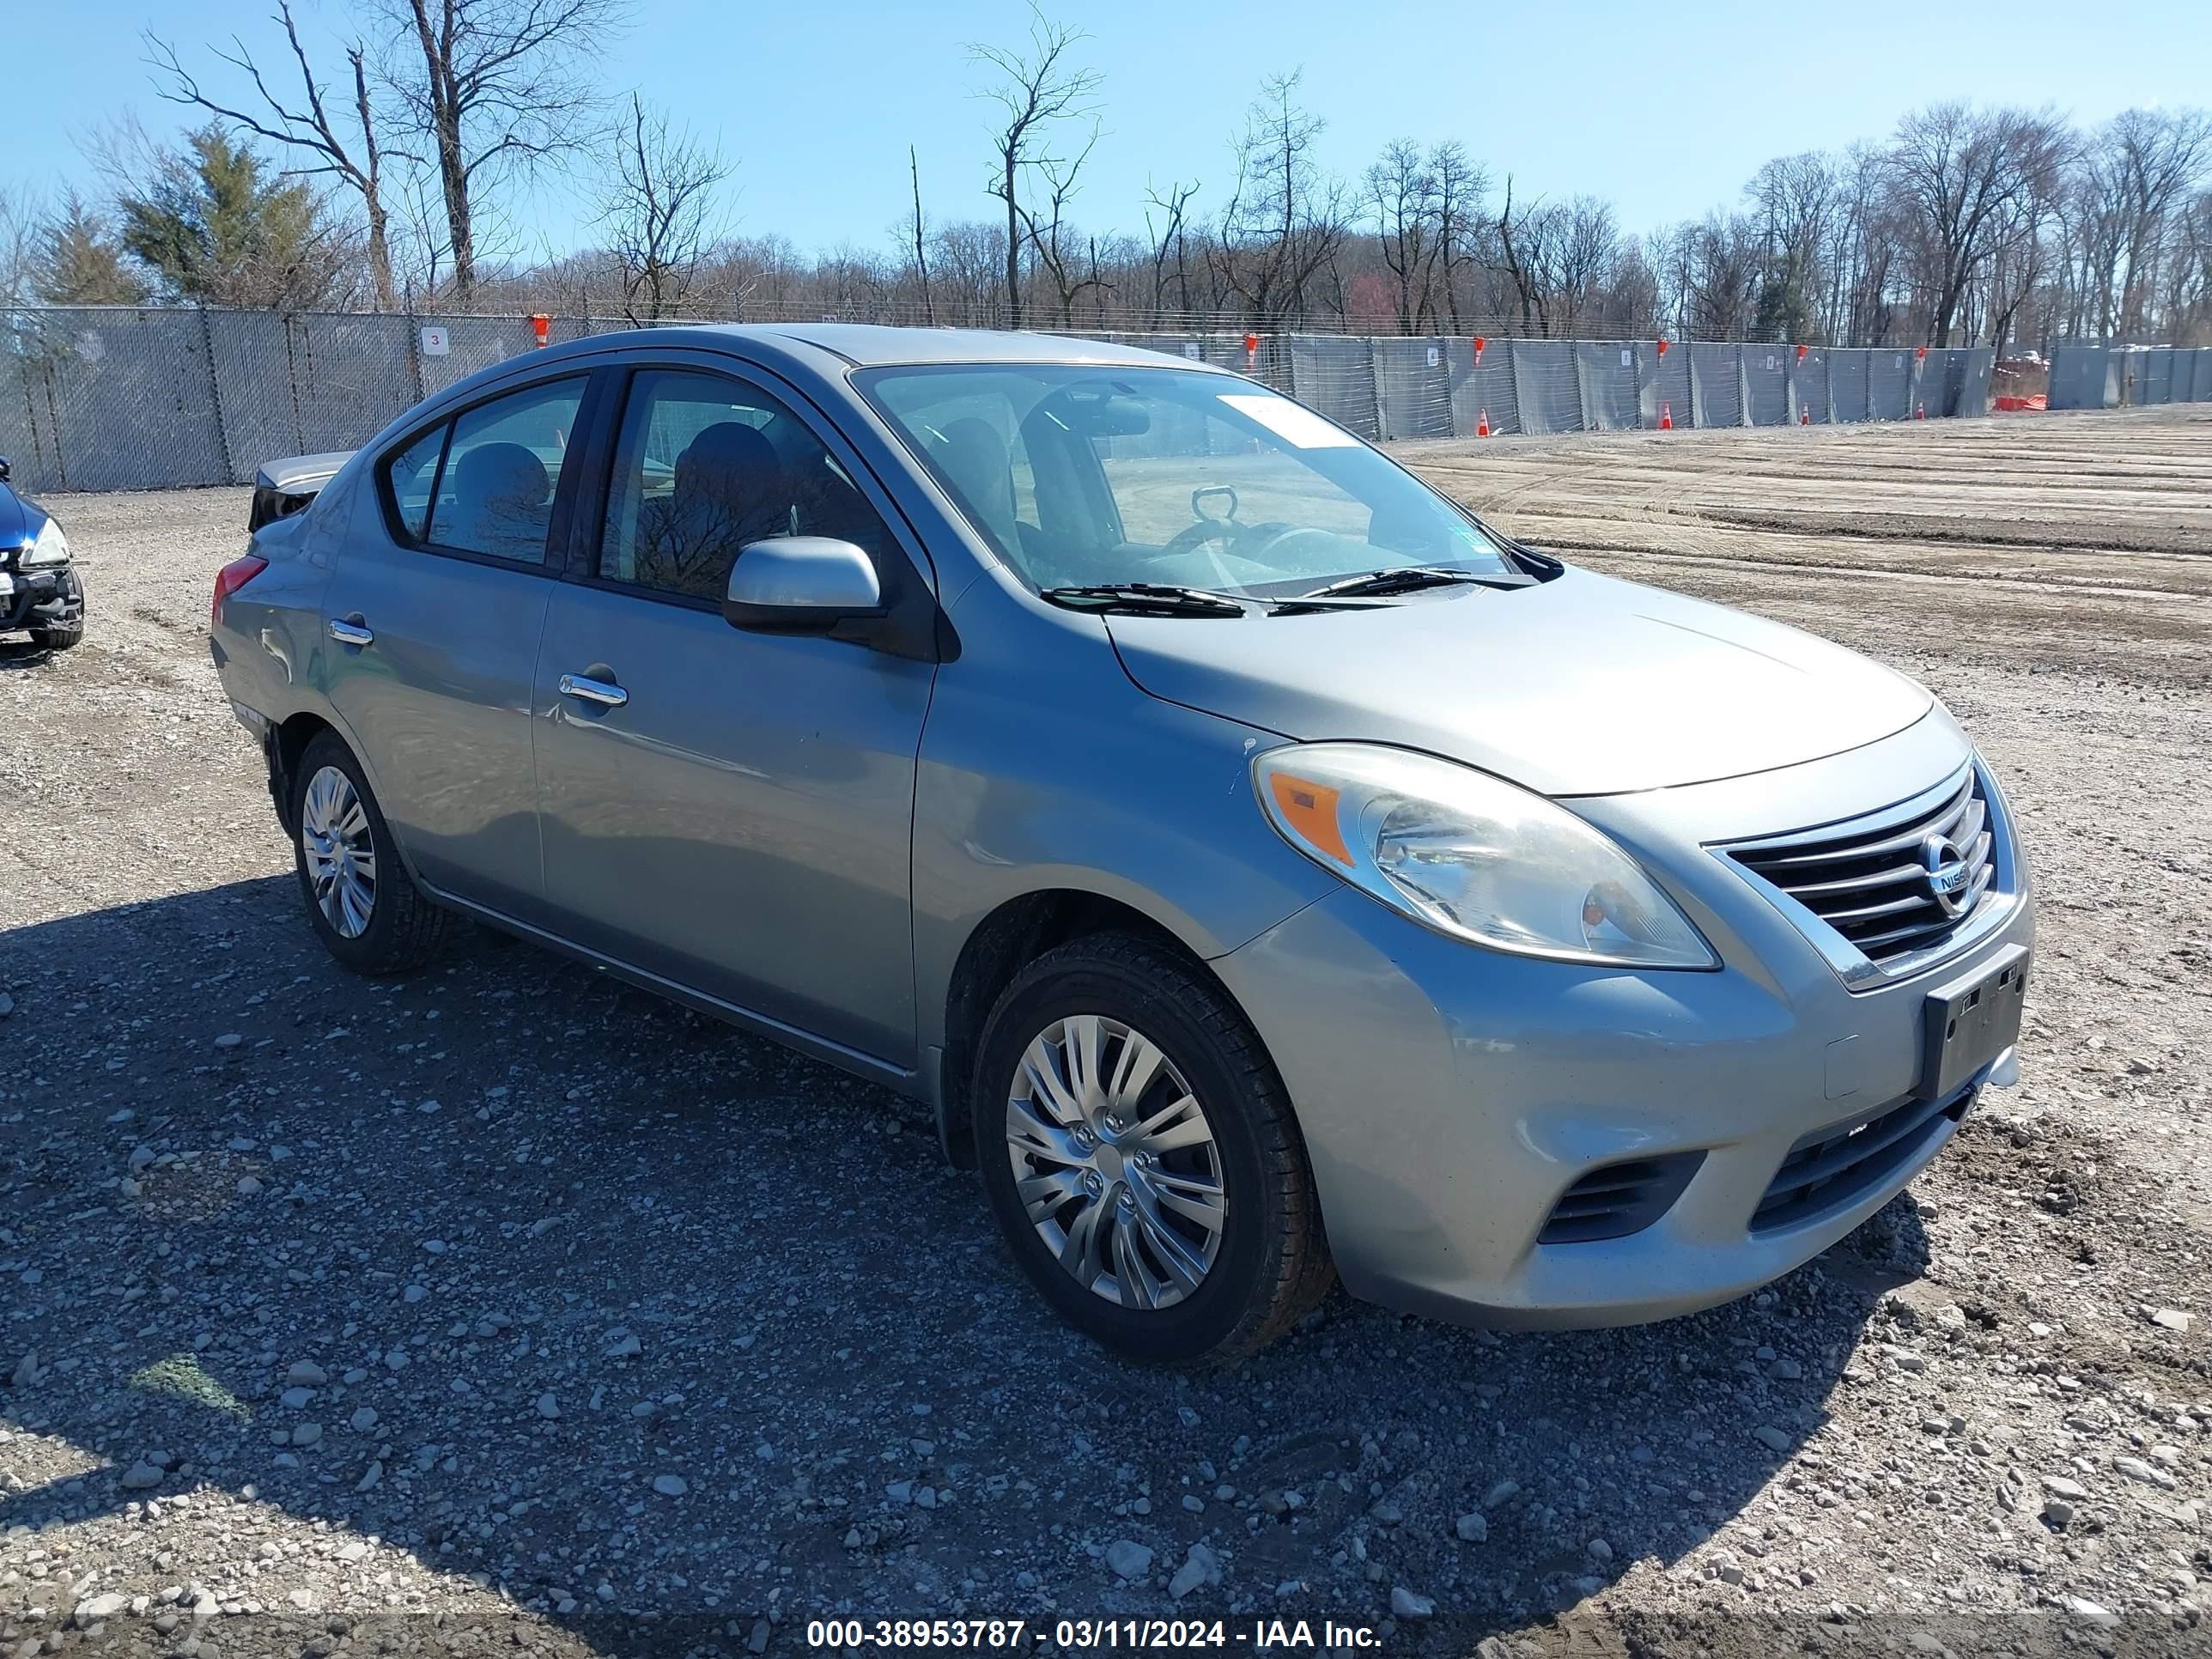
[228, 1041]
[1128, 1558]
[1771, 1437]
[94, 1608]
[1201, 1567]
[670, 1486]
[1409, 1604]
[307, 1434]
[2171, 1318]
[1503, 1493]
[294, 1399]
[362, 1420]
[1473, 1528]
[2148, 1474]
[141, 1476]
[2089, 1613]
[548, 1408]
[306, 1374]
[2059, 1486]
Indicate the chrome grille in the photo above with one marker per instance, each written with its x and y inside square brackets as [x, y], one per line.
[1870, 880]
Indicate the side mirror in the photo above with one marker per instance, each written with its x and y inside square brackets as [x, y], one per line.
[801, 585]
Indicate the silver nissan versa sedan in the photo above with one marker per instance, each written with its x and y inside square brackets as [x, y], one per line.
[1265, 870]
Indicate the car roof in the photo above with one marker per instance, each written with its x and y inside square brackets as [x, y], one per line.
[870, 345]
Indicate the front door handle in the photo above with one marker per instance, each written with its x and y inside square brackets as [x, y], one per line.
[350, 632]
[603, 692]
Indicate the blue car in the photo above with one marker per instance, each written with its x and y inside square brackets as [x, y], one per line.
[40, 589]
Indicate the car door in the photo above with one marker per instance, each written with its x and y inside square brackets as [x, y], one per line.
[432, 620]
[730, 811]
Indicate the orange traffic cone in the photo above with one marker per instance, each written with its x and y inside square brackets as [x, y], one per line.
[1665, 417]
[1482, 424]
[1920, 412]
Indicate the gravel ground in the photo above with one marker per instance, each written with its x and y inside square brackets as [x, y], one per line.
[505, 1308]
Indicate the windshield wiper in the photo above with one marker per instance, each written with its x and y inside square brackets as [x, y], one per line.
[1157, 598]
[1405, 579]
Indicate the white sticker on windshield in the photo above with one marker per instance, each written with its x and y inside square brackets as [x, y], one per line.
[1285, 419]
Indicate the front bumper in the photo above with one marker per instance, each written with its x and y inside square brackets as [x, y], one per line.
[1450, 1096]
[49, 597]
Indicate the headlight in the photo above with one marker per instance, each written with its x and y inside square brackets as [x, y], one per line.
[1466, 854]
[50, 547]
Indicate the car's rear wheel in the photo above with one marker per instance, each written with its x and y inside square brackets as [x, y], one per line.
[364, 907]
[1140, 1156]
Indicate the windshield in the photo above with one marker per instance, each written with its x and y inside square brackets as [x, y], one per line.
[1085, 475]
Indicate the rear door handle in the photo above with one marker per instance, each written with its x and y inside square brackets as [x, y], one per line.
[351, 633]
[606, 694]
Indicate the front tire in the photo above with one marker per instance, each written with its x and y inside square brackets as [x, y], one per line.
[60, 638]
[1140, 1156]
[361, 899]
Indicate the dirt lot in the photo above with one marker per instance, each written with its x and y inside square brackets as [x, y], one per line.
[508, 1310]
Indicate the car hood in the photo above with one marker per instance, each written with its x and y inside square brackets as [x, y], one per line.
[1583, 685]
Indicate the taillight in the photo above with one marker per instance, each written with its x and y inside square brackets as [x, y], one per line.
[231, 577]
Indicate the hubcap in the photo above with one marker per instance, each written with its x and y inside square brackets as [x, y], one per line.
[340, 854]
[1115, 1162]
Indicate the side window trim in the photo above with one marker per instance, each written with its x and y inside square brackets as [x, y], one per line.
[564, 490]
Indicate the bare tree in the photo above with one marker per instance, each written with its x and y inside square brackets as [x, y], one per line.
[1045, 223]
[1523, 248]
[1038, 87]
[1284, 219]
[1959, 172]
[921, 228]
[1794, 196]
[1170, 238]
[492, 86]
[20, 235]
[1400, 191]
[1460, 185]
[659, 212]
[355, 156]
[2145, 162]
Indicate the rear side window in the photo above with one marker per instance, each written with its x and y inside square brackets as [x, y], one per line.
[484, 483]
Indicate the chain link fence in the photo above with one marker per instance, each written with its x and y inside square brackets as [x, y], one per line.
[151, 398]
[2096, 376]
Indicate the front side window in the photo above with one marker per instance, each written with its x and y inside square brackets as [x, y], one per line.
[484, 482]
[706, 464]
[412, 477]
[1099, 476]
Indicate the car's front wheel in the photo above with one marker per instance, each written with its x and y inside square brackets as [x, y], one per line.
[364, 907]
[1141, 1157]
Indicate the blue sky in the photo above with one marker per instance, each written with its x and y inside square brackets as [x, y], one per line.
[1665, 108]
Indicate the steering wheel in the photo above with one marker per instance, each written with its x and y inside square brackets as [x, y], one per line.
[1195, 535]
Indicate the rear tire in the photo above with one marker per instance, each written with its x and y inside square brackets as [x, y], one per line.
[1129, 1124]
[363, 903]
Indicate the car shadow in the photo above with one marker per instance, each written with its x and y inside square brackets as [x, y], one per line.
[19, 652]
[536, 1240]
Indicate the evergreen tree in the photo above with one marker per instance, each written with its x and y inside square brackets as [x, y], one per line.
[79, 262]
[217, 233]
